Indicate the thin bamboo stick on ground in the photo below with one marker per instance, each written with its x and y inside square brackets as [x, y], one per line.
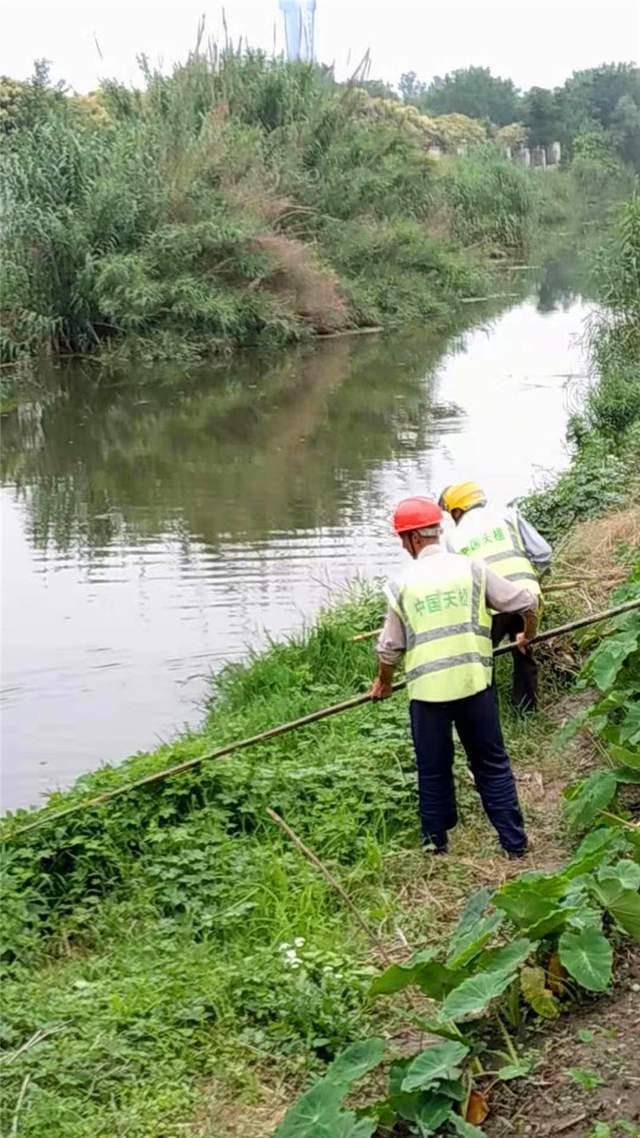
[335, 885]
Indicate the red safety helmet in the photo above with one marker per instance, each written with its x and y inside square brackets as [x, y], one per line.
[416, 513]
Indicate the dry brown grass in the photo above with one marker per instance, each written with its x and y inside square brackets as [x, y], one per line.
[594, 556]
[312, 289]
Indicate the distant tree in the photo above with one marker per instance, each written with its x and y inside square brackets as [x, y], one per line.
[541, 116]
[514, 135]
[475, 92]
[595, 93]
[23, 103]
[378, 89]
[625, 130]
[411, 88]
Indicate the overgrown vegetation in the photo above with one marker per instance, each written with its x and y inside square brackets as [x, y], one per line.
[237, 198]
[242, 199]
[605, 471]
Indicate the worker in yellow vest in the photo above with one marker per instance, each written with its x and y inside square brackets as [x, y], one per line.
[513, 549]
[438, 620]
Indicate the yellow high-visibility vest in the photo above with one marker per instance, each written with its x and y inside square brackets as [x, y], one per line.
[441, 602]
[494, 538]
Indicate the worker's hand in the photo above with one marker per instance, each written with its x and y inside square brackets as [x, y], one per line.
[522, 643]
[381, 689]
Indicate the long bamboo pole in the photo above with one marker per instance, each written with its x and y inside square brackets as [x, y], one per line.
[292, 725]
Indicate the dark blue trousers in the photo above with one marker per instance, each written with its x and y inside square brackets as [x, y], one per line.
[476, 721]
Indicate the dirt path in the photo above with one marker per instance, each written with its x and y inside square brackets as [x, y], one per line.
[600, 1038]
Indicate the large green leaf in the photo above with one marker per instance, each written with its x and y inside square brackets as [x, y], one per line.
[432, 977]
[465, 1129]
[630, 727]
[432, 1064]
[538, 996]
[506, 958]
[475, 994]
[624, 907]
[355, 1061]
[625, 872]
[592, 851]
[418, 1105]
[318, 1114]
[627, 775]
[588, 798]
[625, 756]
[466, 947]
[610, 655]
[399, 976]
[531, 902]
[588, 957]
[432, 1112]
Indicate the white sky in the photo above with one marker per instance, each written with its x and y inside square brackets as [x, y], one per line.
[533, 41]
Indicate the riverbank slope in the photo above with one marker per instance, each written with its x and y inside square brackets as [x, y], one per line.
[174, 965]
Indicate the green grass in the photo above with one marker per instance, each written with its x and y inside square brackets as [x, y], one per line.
[149, 932]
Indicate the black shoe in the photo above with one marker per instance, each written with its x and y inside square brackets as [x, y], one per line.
[515, 855]
[430, 848]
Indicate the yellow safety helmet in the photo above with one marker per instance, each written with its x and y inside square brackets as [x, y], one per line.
[462, 496]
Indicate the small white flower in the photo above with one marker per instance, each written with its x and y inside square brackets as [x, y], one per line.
[295, 964]
[292, 956]
[299, 941]
[283, 947]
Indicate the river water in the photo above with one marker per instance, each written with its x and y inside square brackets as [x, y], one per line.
[153, 532]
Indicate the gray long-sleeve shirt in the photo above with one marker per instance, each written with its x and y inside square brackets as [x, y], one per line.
[501, 595]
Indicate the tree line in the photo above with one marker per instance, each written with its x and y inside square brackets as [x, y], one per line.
[601, 104]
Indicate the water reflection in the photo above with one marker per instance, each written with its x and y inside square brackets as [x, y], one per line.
[243, 452]
[151, 532]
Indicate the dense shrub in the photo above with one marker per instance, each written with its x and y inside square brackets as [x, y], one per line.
[202, 210]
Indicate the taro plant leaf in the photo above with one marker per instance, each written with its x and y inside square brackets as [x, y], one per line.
[536, 993]
[432, 1112]
[605, 662]
[355, 1061]
[432, 977]
[436, 980]
[506, 958]
[469, 945]
[317, 1114]
[399, 976]
[623, 904]
[588, 957]
[627, 775]
[592, 851]
[531, 903]
[586, 799]
[625, 872]
[553, 920]
[625, 756]
[475, 994]
[517, 1070]
[472, 915]
[429, 1108]
[630, 726]
[465, 1129]
[432, 1064]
